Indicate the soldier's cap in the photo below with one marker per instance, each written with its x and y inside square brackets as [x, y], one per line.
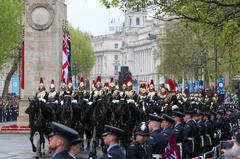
[207, 114]
[213, 113]
[221, 111]
[188, 112]
[201, 113]
[168, 118]
[195, 112]
[64, 131]
[112, 130]
[76, 140]
[178, 114]
[155, 117]
[142, 129]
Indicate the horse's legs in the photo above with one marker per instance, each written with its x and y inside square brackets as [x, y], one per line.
[31, 139]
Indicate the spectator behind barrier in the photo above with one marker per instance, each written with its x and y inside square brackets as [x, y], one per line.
[234, 151]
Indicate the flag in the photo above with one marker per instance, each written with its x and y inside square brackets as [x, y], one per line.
[66, 57]
[171, 150]
[22, 75]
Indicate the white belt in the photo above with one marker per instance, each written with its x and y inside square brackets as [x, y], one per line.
[130, 101]
[115, 101]
[202, 140]
[156, 156]
[210, 140]
[192, 139]
[180, 147]
[219, 133]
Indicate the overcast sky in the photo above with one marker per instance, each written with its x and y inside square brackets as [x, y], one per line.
[91, 16]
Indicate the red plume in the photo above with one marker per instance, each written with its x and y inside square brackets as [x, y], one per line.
[52, 82]
[152, 82]
[171, 84]
[81, 80]
[111, 80]
[98, 79]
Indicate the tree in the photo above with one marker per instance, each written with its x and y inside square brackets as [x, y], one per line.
[83, 57]
[180, 48]
[10, 36]
[215, 22]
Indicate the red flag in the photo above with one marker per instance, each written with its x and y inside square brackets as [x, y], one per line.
[172, 151]
[22, 75]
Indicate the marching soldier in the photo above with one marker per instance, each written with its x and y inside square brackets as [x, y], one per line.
[190, 135]
[138, 149]
[201, 128]
[111, 137]
[154, 141]
[208, 132]
[60, 140]
[178, 127]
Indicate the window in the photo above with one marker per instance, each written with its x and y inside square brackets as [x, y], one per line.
[137, 21]
[130, 21]
[115, 70]
[116, 45]
[115, 57]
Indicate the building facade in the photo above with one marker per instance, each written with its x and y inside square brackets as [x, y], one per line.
[131, 47]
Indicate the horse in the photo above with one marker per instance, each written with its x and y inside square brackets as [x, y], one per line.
[66, 115]
[37, 123]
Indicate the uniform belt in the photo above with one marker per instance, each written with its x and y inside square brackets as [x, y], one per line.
[192, 139]
[219, 133]
[180, 148]
[210, 140]
[202, 140]
[156, 156]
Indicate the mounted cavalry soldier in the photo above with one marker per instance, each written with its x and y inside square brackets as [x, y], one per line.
[63, 91]
[152, 94]
[41, 95]
[53, 96]
[98, 92]
[130, 93]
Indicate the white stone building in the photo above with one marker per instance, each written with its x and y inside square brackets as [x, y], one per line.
[131, 47]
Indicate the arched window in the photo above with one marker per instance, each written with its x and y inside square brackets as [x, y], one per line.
[137, 21]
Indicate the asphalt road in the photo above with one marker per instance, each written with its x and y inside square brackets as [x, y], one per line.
[18, 146]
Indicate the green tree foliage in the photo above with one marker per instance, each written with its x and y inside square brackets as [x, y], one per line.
[216, 23]
[10, 29]
[180, 46]
[83, 57]
[10, 36]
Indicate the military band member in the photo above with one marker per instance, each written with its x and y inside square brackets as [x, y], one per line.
[139, 149]
[111, 138]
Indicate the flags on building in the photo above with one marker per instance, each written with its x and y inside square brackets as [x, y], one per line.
[22, 75]
[66, 57]
[171, 150]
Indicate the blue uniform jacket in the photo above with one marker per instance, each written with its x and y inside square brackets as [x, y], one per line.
[62, 155]
[114, 153]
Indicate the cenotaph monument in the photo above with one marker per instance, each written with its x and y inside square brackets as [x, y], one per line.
[43, 35]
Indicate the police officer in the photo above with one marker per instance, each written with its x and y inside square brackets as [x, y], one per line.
[111, 137]
[60, 140]
[138, 149]
[154, 141]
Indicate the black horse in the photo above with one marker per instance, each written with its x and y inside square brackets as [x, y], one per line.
[38, 123]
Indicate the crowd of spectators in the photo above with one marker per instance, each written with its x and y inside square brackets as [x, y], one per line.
[9, 108]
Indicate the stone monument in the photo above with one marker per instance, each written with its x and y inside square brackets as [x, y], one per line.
[43, 37]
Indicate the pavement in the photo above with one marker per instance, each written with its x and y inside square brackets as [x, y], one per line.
[18, 146]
